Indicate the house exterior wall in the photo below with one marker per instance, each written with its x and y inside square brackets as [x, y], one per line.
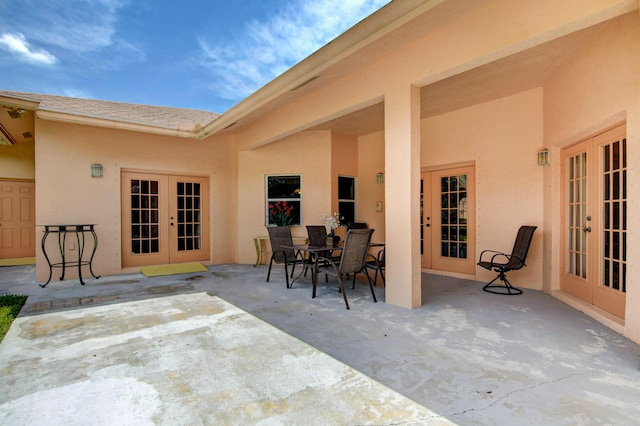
[344, 162]
[307, 154]
[595, 89]
[502, 138]
[369, 192]
[66, 193]
[17, 161]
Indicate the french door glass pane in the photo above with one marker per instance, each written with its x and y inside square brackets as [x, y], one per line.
[453, 211]
[188, 216]
[576, 213]
[144, 216]
[614, 208]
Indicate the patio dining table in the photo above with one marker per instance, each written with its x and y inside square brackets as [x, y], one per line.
[314, 250]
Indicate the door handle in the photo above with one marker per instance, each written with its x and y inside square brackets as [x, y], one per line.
[587, 229]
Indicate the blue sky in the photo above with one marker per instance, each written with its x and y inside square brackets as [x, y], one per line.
[192, 54]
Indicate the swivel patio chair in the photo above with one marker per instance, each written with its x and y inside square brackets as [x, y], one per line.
[352, 261]
[281, 251]
[503, 263]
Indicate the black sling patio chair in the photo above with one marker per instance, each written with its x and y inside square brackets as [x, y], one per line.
[503, 263]
[281, 253]
[352, 261]
[376, 263]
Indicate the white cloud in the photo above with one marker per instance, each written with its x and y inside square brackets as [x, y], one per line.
[271, 47]
[17, 44]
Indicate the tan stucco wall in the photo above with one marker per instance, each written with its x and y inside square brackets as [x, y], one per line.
[66, 193]
[502, 137]
[344, 162]
[307, 154]
[594, 88]
[17, 161]
[370, 163]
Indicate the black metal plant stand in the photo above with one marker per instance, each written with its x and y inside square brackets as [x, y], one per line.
[62, 230]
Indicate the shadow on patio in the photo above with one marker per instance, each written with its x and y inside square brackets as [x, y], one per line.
[469, 356]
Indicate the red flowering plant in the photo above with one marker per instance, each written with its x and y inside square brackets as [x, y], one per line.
[280, 213]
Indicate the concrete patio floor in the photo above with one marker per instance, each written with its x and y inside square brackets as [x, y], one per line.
[225, 347]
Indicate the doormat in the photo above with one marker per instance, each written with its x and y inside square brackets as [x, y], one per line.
[18, 262]
[178, 268]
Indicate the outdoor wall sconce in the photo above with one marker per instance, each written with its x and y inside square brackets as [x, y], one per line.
[96, 170]
[380, 178]
[543, 157]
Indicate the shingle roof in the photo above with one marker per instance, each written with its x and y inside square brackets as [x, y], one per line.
[144, 114]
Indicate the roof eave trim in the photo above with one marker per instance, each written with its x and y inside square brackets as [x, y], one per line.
[66, 117]
[19, 102]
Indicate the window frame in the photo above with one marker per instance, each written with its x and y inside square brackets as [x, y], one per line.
[347, 200]
[296, 200]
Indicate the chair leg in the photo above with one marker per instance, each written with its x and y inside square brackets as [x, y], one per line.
[344, 293]
[269, 273]
[373, 293]
[507, 289]
[286, 274]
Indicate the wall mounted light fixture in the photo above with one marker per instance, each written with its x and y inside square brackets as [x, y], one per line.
[380, 178]
[96, 170]
[543, 157]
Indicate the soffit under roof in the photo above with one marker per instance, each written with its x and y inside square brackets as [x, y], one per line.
[523, 71]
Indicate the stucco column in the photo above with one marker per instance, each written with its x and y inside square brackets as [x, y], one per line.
[632, 314]
[402, 196]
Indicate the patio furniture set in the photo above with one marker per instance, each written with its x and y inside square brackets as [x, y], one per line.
[322, 256]
[346, 260]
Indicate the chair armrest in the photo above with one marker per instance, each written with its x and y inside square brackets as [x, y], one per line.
[494, 254]
[326, 261]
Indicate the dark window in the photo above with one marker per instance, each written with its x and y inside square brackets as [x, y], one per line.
[284, 203]
[347, 198]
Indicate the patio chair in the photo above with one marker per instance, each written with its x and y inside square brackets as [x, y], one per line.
[356, 225]
[376, 263]
[503, 263]
[352, 261]
[280, 238]
[318, 237]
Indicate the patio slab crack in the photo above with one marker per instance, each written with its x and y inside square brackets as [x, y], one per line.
[508, 394]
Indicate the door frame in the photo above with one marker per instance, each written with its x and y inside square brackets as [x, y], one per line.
[590, 289]
[429, 228]
[26, 229]
[168, 252]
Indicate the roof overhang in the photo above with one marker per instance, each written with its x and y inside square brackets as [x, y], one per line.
[130, 125]
[308, 73]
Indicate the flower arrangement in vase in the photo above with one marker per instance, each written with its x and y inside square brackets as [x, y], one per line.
[331, 222]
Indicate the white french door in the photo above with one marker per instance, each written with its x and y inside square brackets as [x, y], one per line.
[594, 262]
